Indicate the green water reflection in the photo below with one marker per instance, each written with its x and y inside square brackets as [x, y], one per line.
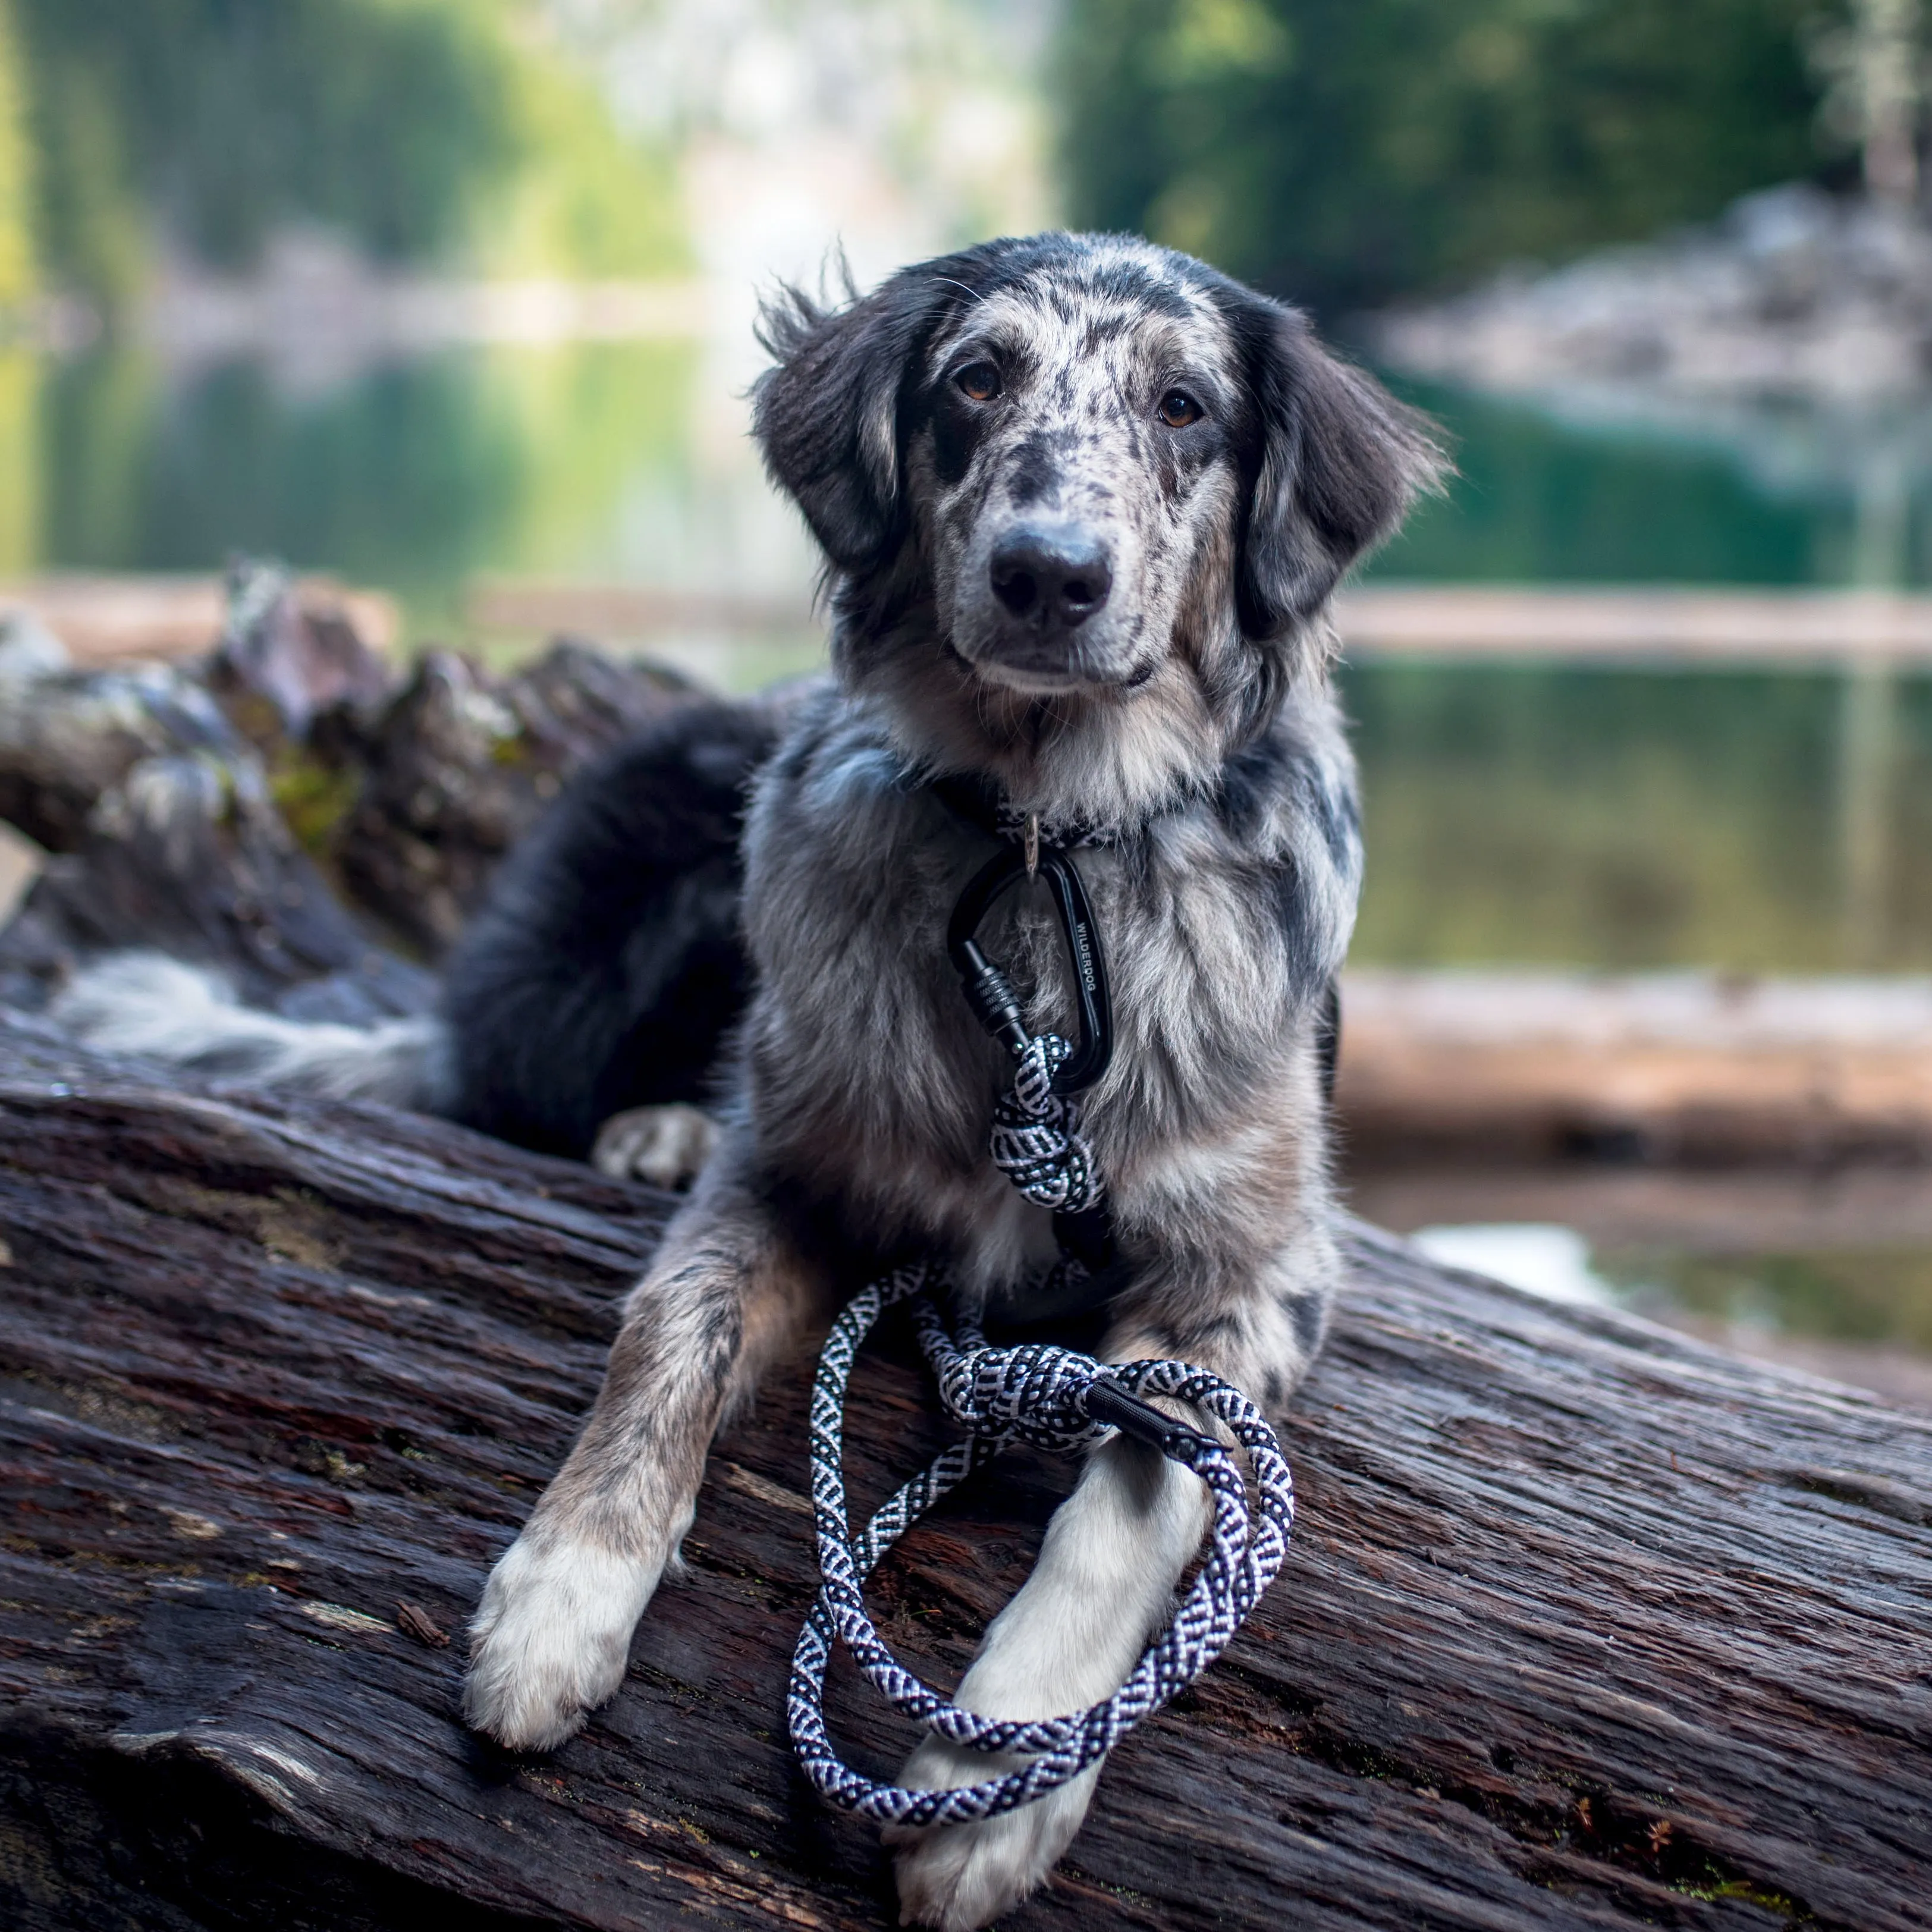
[418, 473]
[1875, 1297]
[1743, 500]
[1622, 820]
[415, 476]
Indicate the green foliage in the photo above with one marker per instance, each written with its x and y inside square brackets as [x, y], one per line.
[416, 475]
[222, 117]
[1346, 151]
[422, 128]
[584, 201]
[16, 236]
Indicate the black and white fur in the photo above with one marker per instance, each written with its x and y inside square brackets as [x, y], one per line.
[1083, 502]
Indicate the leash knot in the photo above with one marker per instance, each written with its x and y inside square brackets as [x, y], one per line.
[1035, 1392]
[1035, 1140]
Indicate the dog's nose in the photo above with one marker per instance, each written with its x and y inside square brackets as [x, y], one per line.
[1061, 577]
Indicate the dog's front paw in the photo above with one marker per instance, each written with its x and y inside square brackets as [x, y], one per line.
[666, 1146]
[958, 1877]
[550, 1640]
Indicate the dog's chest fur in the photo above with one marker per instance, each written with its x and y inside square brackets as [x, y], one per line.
[872, 1085]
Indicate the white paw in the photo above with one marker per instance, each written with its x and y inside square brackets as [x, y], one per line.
[958, 1877]
[550, 1638]
[666, 1146]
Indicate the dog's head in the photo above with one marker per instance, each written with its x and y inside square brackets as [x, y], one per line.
[1066, 477]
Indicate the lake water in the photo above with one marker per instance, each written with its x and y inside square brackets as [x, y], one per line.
[1756, 822]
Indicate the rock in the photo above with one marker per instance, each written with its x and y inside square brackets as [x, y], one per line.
[1794, 294]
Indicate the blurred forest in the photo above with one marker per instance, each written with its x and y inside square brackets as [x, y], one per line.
[205, 124]
[1347, 152]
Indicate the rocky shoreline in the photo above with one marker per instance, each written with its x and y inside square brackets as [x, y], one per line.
[1793, 295]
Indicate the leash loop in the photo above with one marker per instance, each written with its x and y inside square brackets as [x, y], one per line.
[1057, 1398]
[1035, 1140]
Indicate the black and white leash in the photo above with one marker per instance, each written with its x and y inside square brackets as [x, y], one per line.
[1055, 1399]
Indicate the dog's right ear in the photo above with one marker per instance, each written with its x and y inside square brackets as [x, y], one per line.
[1337, 462]
[827, 415]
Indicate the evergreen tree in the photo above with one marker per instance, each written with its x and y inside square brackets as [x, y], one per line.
[1346, 151]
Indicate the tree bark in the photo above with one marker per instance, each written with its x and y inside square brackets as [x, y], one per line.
[283, 810]
[1583, 1624]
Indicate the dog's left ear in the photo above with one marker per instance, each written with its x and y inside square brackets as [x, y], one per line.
[826, 414]
[1337, 462]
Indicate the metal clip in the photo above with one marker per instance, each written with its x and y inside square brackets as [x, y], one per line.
[1033, 844]
[991, 993]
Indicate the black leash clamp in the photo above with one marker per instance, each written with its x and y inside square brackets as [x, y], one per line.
[1106, 1402]
[990, 993]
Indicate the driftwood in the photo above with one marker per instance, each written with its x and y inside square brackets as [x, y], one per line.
[291, 810]
[1460, 623]
[1583, 1624]
[1662, 1067]
[288, 809]
[109, 620]
[458, 765]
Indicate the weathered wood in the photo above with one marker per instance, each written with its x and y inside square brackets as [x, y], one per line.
[1670, 1066]
[1794, 629]
[1584, 1624]
[285, 811]
[110, 618]
[166, 831]
[460, 764]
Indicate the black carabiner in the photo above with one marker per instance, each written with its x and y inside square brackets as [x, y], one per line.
[990, 993]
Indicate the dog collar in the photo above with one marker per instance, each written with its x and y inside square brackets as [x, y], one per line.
[982, 804]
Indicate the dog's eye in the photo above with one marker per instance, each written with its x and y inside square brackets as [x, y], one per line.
[1177, 409]
[979, 380]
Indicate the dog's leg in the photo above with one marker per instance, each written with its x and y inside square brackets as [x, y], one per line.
[1104, 1582]
[1104, 1579]
[726, 1292]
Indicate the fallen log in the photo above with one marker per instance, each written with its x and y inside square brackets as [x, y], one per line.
[1584, 1624]
[284, 810]
[1663, 1067]
[112, 620]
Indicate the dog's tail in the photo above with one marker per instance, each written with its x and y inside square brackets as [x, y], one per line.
[146, 1003]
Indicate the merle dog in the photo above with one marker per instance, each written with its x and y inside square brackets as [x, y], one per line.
[1083, 502]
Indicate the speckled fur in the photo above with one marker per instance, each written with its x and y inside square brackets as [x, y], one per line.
[1189, 719]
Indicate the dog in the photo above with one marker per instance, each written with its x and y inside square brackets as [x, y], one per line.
[1083, 502]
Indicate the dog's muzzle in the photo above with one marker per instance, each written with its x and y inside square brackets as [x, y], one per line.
[1044, 614]
[1051, 578]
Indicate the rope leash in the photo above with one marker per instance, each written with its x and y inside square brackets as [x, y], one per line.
[1055, 1399]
